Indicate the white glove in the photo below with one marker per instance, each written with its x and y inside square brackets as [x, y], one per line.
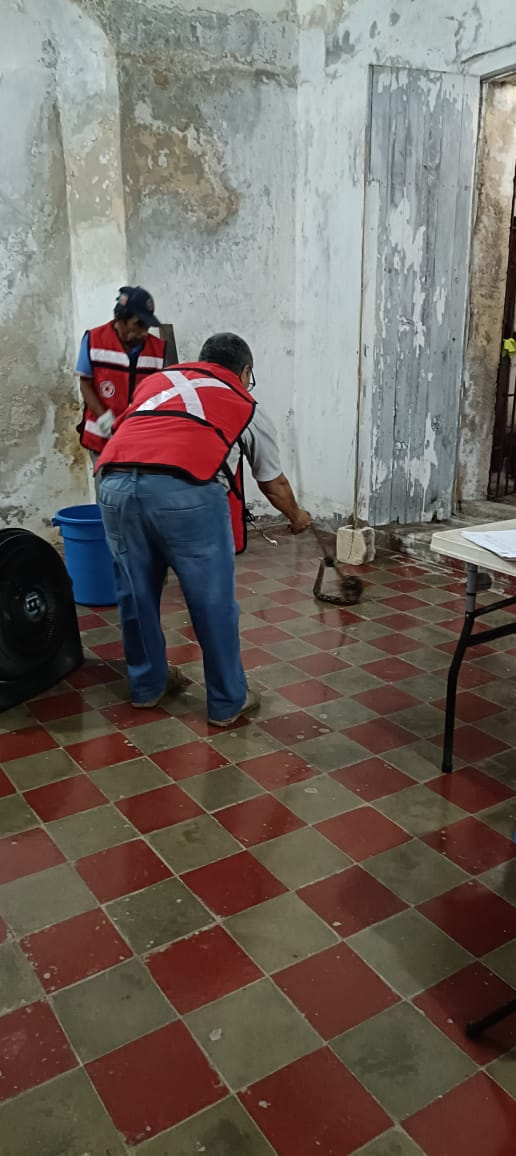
[105, 423]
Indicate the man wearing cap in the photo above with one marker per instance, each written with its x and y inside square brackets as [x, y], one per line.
[113, 358]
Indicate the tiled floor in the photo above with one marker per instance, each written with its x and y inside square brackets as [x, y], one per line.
[268, 940]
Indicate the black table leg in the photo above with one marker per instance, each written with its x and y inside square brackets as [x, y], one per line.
[453, 674]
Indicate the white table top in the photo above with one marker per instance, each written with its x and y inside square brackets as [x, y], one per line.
[452, 544]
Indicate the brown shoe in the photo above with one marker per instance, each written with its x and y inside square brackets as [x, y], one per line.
[175, 681]
[252, 702]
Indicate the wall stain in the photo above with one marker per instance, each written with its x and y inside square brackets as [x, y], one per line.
[176, 71]
[338, 47]
[458, 33]
[329, 15]
[161, 78]
[67, 414]
[184, 162]
[475, 11]
[467, 30]
[191, 62]
[165, 32]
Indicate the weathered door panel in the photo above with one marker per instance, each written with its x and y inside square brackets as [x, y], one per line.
[418, 204]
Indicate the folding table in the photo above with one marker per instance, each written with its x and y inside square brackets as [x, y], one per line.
[452, 544]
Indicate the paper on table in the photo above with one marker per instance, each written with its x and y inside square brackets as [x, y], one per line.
[499, 542]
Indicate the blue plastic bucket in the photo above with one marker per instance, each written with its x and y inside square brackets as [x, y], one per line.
[87, 557]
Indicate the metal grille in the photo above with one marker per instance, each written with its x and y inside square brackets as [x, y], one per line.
[502, 481]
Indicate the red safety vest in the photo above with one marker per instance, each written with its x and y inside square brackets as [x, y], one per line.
[187, 420]
[115, 377]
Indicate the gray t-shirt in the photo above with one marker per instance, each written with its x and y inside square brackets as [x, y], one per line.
[260, 445]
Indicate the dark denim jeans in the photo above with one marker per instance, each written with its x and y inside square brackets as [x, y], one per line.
[153, 521]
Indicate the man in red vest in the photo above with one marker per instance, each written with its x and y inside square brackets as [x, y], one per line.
[174, 460]
[113, 359]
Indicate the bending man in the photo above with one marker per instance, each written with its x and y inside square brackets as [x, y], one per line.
[167, 472]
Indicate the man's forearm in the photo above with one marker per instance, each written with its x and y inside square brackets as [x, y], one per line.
[90, 397]
[280, 495]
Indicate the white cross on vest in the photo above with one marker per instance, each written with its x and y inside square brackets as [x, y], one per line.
[185, 388]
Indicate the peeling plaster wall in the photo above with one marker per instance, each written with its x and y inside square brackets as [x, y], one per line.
[331, 127]
[41, 467]
[215, 154]
[90, 120]
[495, 177]
[208, 130]
[243, 136]
[338, 42]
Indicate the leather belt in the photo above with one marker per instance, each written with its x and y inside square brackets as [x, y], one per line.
[119, 469]
[150, 469]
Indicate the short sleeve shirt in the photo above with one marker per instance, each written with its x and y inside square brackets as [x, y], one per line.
[84, 366]
[259, 443]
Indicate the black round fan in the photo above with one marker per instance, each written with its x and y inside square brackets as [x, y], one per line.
[39, 635]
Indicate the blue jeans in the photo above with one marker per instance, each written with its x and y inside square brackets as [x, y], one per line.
[153, 521]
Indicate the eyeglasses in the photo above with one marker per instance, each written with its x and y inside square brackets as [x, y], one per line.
[252, 381]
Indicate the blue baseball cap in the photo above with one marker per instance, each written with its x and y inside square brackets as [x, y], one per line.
[137, 302]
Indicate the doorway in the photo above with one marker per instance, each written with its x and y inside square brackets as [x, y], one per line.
[484, 416]
[502, 475]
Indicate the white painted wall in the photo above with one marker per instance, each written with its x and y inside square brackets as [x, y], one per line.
[232, 141]
[40, 469]
[87, 84]
[332, 122]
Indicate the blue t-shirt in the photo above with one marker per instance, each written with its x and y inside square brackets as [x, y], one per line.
[84, 366]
